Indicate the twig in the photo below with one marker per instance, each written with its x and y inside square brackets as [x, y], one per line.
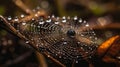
[20, 4]
[41, 59]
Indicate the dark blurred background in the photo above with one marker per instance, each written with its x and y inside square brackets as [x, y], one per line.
[14, 53]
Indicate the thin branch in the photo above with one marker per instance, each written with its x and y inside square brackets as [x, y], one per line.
[20, 4]
[41, 60]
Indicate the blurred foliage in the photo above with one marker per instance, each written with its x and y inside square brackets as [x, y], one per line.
[2, 10]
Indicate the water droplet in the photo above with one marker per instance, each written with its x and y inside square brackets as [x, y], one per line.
[64, 20]
[63, 38]
[48, 17]
[58, 18]
[53, 16]
[78, 42]
[76, 61]
[23, 23]
[118, 57]
[37, 45]
[60, 57]
[82, 35]
[16, 19]
[22, 16]
[84, 21]
[38, 26]
[48, 55]
[87, 25]
[68, 17]
[34, 10]
[27, 42]
[86, 52]
[41, 22]
[63, 17]
[49, 20]
[90, 37]
[56, 22]
[33, 19]
[64, 42]
[56, 54]
[36, 15]
[75, 18]
[80, 21]
[95, 38]
[9, 18]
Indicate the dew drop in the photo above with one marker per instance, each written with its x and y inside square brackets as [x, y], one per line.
[38, 26]
[53, 16]
[49, 20]
[90, 37]
[36, 15]
[95, 38]
[48, 55]
[80, 21]
[33, 19]
[63, 17]
[58, 18]
[64, 20]
[87, 25]
[76, 61]
[75, 18]
[68, 17]
[118, 57]
[77, 56]
[64, 42]
[37, 45]
[48, 17]
[23, 23]
[86, 52]
[31, 39]
[56, 22]
[60, 57]
[41, 22]
[84, 21]
[22, 16]
[9, 18]
[63, 38]
[78, 42]
[16, 19]
[56, 54]
[27, 42]
[82, 35]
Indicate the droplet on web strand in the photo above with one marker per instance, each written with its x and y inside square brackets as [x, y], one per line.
[22, 16]
[9, 18]
[27, 42]
[23, 23]
[75, 18]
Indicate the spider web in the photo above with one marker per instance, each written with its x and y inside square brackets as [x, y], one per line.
[60, 37]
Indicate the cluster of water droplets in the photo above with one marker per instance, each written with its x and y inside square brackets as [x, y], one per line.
[61, 37]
